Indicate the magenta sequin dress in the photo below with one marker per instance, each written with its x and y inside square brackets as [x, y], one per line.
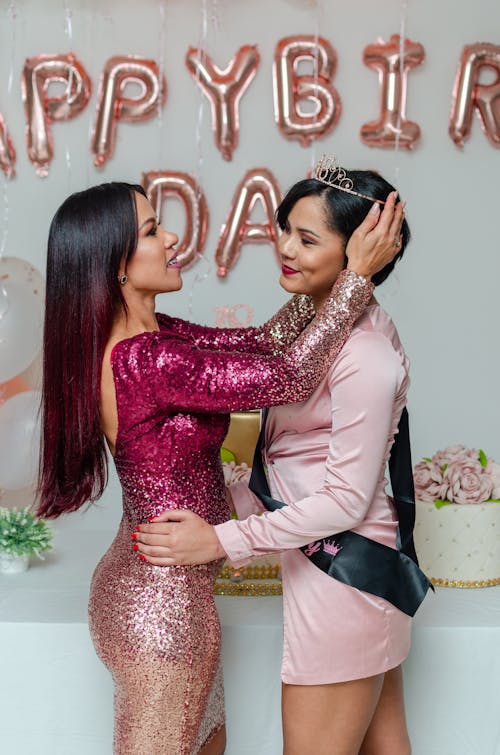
[156, 628]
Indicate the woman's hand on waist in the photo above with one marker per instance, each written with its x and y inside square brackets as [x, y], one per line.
[177, 538]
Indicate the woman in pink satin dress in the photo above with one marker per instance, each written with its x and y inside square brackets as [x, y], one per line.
[326, 458]
[157, 391]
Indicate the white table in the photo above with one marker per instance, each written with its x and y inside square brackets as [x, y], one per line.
[56, 697]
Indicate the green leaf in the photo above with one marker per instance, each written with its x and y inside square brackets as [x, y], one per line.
[227, 455]
[427, 458]
[483, 458]
[444, 468]
[439, 503]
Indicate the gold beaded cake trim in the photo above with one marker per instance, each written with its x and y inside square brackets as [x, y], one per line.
[465, 582]
[268, 571]
[248, 588]
[247, 580]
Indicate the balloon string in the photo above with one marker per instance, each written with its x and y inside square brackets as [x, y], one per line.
[317, 25]
[202, 47]
[12, 13]
[402, 40]
[68, 30]
[161, 66]
[4, 297]
[5, 232]
[68, 26]
[214, 17]
[91, 116]
[200, 277]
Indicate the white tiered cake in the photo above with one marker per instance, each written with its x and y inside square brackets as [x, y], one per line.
[458, 545]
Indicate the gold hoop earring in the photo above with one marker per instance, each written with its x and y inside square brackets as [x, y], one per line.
[123, 279]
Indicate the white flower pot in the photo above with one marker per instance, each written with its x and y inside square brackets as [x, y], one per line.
[10, 564]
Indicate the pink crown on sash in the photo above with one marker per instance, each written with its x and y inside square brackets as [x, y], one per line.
[330, 546]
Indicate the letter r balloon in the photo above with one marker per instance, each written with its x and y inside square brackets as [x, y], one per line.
[469, 94]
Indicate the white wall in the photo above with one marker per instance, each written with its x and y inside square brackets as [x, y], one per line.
[444, 294]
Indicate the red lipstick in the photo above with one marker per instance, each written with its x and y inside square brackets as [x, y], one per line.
[288, 270]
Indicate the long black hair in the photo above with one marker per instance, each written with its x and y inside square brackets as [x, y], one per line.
[92, 232]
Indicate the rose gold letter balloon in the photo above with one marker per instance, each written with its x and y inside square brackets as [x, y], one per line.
[224, 88]
[468, 94]
[290, 88]
[114, 106]
[392, 61]
[159, 185]
[7, 151]
[257, 184]
[38, 73]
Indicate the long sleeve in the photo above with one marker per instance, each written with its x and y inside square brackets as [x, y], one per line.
[270, 338]
[363, 385]
[184, 378]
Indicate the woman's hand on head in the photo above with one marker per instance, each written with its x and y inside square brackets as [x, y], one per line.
[377, 240]
[177, 538]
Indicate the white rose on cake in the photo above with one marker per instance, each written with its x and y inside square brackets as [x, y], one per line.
[457, 475]
[428, 479]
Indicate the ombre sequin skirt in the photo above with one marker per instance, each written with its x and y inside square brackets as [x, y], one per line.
[157, 631]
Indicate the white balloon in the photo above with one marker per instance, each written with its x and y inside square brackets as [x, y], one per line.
[21, 315]
[19, 440]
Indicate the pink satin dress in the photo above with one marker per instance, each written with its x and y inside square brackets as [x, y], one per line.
[326, 458]
[156, 628]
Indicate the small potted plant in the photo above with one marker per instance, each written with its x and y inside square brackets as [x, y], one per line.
[22, 535]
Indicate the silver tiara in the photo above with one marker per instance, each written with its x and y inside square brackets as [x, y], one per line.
[328, 172]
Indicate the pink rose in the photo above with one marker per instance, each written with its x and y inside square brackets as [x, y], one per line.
[454, 453]
[466, 481]
[494, 471]
[235, 472]
[428, 480]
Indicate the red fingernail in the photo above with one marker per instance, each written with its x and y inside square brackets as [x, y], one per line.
[143, 558]
[133, 536]
[135, 547]
[137, 528]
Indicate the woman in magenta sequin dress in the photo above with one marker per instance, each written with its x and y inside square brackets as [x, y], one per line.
[157, 392]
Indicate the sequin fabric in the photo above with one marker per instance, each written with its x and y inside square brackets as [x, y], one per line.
[156, 628]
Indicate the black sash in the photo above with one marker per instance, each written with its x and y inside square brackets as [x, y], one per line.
[356, 560]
